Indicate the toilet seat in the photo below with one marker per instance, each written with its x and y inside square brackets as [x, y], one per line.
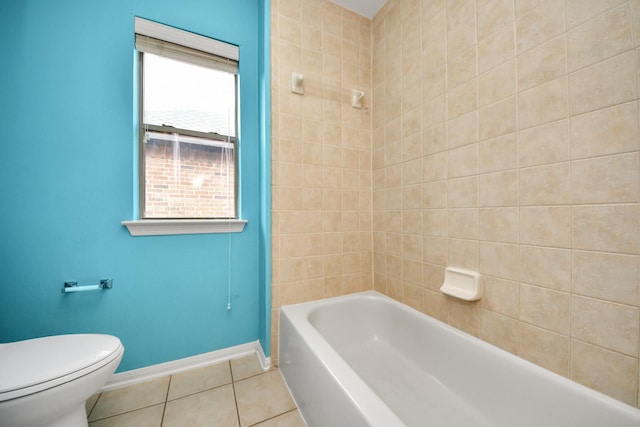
[34, 365]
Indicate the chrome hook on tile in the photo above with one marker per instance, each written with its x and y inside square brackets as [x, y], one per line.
[73, 286]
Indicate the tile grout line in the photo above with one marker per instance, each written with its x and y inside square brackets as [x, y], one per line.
[235, 397]
[166, 399]
[275, 416]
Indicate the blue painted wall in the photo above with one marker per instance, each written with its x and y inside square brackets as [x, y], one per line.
[67, 173]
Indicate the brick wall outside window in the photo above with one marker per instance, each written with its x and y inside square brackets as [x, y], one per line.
[197, 181]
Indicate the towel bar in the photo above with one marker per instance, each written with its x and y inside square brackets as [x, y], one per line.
[73, 286]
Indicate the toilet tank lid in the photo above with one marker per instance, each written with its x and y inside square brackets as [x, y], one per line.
[30, 362]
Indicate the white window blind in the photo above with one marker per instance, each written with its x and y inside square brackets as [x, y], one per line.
[174, 43]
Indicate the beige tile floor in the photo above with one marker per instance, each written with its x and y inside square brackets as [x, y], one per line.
[236, 393]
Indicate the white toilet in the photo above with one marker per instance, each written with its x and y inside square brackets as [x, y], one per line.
[45, 382]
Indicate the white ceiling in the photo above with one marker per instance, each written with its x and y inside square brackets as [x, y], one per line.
[366, 8]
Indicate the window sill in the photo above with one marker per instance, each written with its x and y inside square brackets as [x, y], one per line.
[163, 227]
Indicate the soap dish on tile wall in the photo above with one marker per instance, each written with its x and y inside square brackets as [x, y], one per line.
[462, 284]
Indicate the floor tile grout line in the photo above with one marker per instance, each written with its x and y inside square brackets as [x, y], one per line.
[275, 416]
[166, 399]
[94, 406]
[126, 412]
[235, 397]
[198, 392]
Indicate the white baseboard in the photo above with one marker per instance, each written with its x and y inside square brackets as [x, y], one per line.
[123, 379]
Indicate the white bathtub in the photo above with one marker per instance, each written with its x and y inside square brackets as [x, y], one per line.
[367, 360]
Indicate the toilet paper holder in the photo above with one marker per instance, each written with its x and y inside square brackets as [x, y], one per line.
[73, 286]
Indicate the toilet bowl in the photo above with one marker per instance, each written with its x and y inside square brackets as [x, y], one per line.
[45, 382]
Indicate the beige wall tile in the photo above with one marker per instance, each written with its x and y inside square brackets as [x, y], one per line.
[602, 37]
[414, 296]
[498, 154]
[412, 172]
[609, 228]
[436, 305]
[492, 15]
[462, 192]
[546, 267]
[464, 254]
[500, 296]
[605, 324]
[462, 130]
[544, 144]
[543, 104]
[635, 16]
[462, 68]
[462, 99]
[462, 161]
[412, 122]
[434, 167]
[545, 348]
[497, 83]
[546, 308]
[434, 139]
[610, 277]
[496, 49]
[434, 82]
[463, 315]
[412, 247]
[499, 260]
[434, 56]
[411, 96]
[604, 84]
[290, 8]
[523, 7]
[579, 11]
[463, 223]
[434, 112]
[499, 225]
[436, 250]
[498, 118]
[606, 371]
[411, 197]
[608, 131]
[434, 195]
[499, 330]
[289, 30]
[612, 179]
[539, 25]
[434, 25]
[433, 276]
[546, 185]
[461, 20]
[546, 226]
[542, 64]
[498, 189]
[435, 222]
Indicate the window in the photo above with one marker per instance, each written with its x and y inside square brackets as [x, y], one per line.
[188, 119]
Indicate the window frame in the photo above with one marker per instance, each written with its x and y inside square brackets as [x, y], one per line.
[167, 226]
[143, 128]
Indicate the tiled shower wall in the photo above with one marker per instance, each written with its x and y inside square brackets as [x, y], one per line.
[505, 140]
[321, 154]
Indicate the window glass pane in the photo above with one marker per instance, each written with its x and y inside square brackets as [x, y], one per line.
[188, 177]
[188, 96]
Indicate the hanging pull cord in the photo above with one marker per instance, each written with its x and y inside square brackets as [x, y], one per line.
[228, 159]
